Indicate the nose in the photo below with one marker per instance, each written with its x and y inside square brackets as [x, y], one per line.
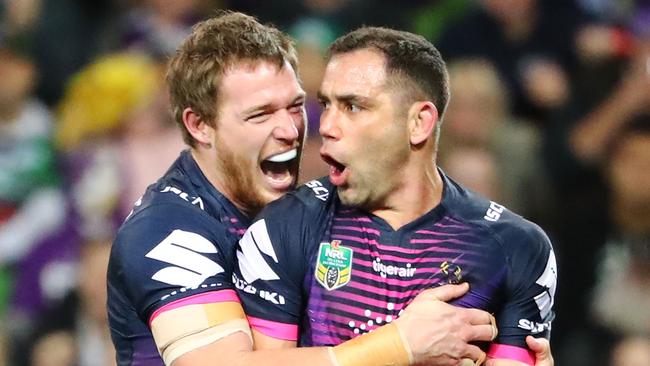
[288, 127]
[328, 128]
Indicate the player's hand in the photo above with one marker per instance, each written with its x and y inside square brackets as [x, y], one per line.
[438, 334]
[542, 349]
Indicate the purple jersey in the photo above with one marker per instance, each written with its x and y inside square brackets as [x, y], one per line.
[308, 263]
[176, 247]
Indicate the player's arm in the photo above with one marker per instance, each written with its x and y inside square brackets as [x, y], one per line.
[408, 340]
[236, 350]
[175, 268]
[172, 265]
[541, 348]
[217, 334]
[531, 284]
[197, 322]
[263, 341]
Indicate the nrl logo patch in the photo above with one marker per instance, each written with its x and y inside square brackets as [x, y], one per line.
[334, 265]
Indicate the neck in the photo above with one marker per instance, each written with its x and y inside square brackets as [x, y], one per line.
[419, 191]
[209, 166]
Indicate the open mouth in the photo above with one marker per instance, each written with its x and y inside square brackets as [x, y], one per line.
[278, 169]
[337, 170]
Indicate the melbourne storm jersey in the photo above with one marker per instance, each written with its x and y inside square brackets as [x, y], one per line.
[335, 272]
[175, 248]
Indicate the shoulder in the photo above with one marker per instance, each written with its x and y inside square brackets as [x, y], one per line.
[170, 233]
[170, 211]
[525, 247]
[507, 227]
[172, 192]
[310, 201]
[315, 194]
[295, 219]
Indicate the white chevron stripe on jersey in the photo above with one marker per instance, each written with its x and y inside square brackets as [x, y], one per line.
[251, 246]
[547, 279]
[182, 248]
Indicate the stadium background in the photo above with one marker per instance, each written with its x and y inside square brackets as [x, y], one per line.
[549, 116]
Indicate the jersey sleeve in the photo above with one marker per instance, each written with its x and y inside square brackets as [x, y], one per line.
[530, 290]
[272, 266]
[171, 255]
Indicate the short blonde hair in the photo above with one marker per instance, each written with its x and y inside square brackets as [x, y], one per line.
[195, 71]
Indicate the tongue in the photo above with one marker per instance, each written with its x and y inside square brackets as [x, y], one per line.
[336, 175]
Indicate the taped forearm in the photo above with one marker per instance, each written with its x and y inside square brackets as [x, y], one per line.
[384, 346]
[203, 338]
[191, 327]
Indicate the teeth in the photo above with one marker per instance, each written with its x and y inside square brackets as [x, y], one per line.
[285, 156]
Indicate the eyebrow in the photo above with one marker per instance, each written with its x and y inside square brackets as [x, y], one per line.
[269, 106]
[345, 98]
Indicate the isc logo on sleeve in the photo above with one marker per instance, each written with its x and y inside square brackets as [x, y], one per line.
[184, 251]
[494, 212]
[319, 191]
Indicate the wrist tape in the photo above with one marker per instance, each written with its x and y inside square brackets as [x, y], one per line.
[383, 346]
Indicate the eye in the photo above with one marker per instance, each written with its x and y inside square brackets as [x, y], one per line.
[324, 104]
[353, 108]
[258, 117]
[297, 107]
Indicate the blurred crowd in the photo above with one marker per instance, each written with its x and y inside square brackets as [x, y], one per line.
[549, 115]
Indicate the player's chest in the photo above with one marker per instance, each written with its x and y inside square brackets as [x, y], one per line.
[363, 269]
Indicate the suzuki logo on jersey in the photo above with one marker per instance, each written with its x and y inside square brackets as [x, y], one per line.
[494, 212]
[272, 297]
[243, 285]
[387, 270]
[534, 327]
[269, 296]
[189, 268]
[334, 265]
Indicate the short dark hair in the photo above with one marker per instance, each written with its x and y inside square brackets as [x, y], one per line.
[412, 62]
[194, 72]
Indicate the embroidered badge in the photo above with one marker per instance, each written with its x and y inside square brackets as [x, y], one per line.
[452, 272]
[334, 265]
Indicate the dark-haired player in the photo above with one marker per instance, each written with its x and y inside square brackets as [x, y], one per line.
[344, 256]
[235, 94]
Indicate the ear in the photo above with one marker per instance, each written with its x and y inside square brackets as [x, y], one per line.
[202, 132]
[422, 120]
